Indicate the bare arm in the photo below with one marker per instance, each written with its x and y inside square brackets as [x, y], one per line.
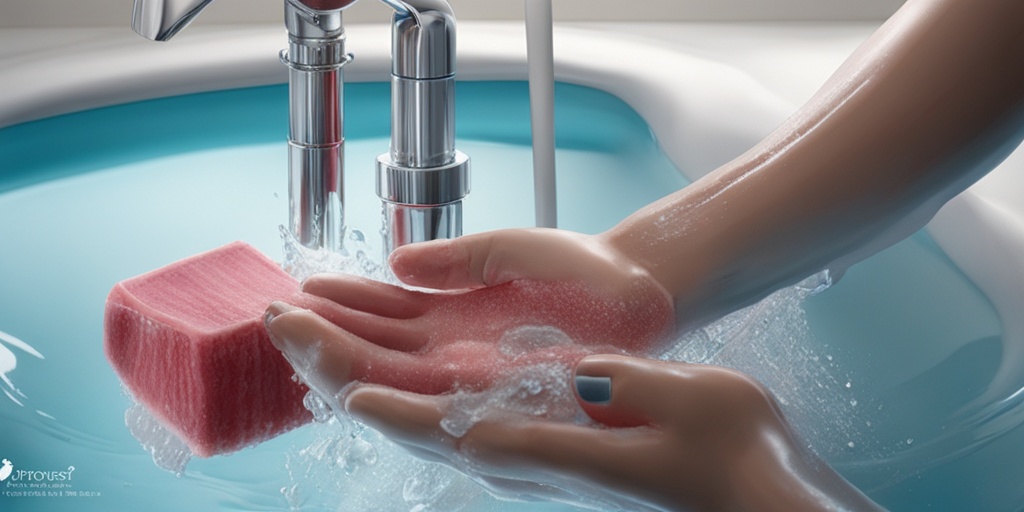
[925, 107]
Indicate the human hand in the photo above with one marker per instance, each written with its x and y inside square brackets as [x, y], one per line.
[683, 437]
[494, 285]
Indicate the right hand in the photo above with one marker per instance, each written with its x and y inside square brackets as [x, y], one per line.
[681, 436]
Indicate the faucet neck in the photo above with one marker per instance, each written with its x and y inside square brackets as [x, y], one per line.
[160, 20]
[305, 22]
[423, 39]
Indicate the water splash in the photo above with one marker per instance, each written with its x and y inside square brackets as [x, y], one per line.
[169, 452]
[9, 361]
[536, 391]
[772, 342]
[354, 258]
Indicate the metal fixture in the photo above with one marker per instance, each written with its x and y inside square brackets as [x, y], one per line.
[422, 179]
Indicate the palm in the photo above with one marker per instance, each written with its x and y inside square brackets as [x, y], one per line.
[434, 342]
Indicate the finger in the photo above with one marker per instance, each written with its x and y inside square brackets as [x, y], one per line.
[408, 419]
[642, 391]
[444, 264]
[504, 454]
[496, 257]
[623, 391]
[560, 452]
[515, 489]
[367, 295]
[327, 357]
[388, 332]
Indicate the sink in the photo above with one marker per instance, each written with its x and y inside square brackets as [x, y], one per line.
[903, 374]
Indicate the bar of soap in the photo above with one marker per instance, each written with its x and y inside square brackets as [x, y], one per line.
[189, 343]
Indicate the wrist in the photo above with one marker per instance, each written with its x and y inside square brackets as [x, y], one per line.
[689, 251]
[776, 473]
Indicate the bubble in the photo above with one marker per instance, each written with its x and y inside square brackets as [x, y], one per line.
[526, 339]
[316, 405]
[359, 453]
[537, 391]
[425, 486]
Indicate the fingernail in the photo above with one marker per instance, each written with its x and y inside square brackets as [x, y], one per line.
[290, 337]
[595, 390]
[301, 348]
[296, 336]
[276, 309]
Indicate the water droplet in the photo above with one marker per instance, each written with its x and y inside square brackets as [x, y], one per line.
[316, 405]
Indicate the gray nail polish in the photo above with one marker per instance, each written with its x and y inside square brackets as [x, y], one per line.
[595, 390]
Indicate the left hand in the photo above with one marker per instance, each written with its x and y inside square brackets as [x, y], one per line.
[493, 283]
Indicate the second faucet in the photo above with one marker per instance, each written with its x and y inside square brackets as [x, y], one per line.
[423, 179]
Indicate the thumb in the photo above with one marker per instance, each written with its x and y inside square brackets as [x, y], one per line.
[621, 391]
[469, 261]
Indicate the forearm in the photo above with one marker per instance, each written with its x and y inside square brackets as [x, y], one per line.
[781, 476]
[931, 102]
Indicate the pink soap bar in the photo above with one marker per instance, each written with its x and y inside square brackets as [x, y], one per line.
[189, 343]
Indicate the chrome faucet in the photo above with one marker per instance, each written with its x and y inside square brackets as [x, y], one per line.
[422, 179]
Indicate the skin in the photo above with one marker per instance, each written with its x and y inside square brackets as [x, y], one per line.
[925, 107]
[684, 449]
[435, 342]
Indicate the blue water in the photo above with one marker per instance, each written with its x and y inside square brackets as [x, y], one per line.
[91, 198]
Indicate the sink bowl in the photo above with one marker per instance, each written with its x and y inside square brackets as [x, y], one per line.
[903, 374]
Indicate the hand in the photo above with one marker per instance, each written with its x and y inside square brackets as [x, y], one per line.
[689, 436]
[494, 285]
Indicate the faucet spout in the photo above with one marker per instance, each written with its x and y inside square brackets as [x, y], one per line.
[315, 57]
[160, 20]
[316, 140]
[423, 179]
